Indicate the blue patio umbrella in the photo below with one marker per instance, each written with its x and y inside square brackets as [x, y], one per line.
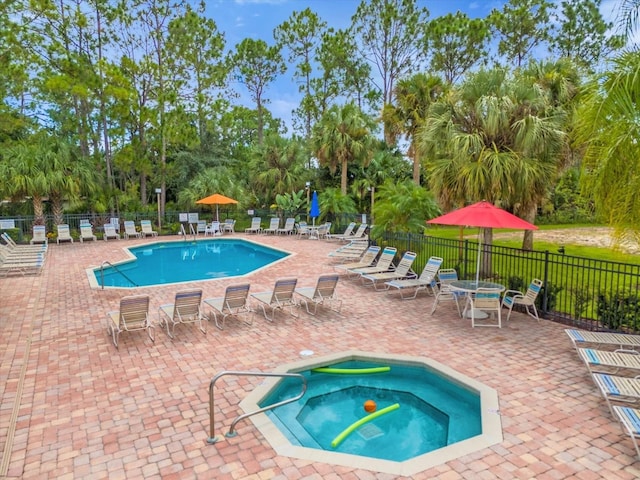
[315, 207]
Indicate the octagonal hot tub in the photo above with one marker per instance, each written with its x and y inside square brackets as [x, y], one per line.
[425, 413]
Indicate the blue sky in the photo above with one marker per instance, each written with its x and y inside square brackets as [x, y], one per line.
[240, 19]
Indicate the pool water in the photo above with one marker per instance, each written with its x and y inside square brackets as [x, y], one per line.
[175, 262]
[434, 412]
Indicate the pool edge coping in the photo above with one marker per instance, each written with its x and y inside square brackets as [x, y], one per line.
[94, 285]
[489, 404]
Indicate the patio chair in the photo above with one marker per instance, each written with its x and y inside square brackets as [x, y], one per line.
[213, 229]
[185, 309]
[255, 226]
[302, 230]
[384, 264]
[274, 225]
[426, 280]
[348, 232]
[289, 225]
[64, 235]
[624, 341]
[86, 233]
[229, 226]
[233, 304]
[20, 265]
[402, 271]
[366, 260]
[130, 230]
[600, 361]
[201, 227]
[132, 316]
[630, 420]
[39, 235]
[617, 389]
[445, 292]
[485, 300]
[17, 256]
[527, 299]
[323, 294]
[115, 221]
[110, 232]
[147, 229]
[323, 230]
[277, 299]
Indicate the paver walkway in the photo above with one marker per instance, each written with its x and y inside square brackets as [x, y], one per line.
[75, 407]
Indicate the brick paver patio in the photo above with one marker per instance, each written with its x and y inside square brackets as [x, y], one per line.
[75, 407]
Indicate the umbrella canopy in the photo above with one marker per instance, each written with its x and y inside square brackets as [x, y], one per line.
[482, 215]
[314, 212]
[216, 199]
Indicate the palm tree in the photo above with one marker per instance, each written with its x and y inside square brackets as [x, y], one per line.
[277, 167]
[491, 139]
[414, 96]
[608, 125]
[23, 176]
[342, 136]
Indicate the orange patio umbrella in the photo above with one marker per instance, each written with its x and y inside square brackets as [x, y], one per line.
[216, 199]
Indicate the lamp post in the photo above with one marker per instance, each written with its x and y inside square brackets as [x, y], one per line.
[158, 192]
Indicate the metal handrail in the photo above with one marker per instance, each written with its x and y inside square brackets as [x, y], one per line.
[231, 433]
[106, 262]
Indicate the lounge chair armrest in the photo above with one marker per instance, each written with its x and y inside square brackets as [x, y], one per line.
[626, 350]
[513, 293]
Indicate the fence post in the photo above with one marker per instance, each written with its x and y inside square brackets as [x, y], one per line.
[545, 290]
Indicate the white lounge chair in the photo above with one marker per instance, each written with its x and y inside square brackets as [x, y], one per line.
[110, 232]
[132, 316]
[64, 235]
[582, 338]
[147, 229]
[201, 227]
[289, 225]
[274, 225]
[233, 304]
[323, 294]
[186, 308]
[630, 420]
[528, 299]
[348, 232]
[86, 233]
[600, 361]
[402, 271]
[130, 230]
[618, 389]
[426, 280]
[367, 259]
[278, 299]
[384, 264]
[39, 235]
[255, 226]
[19, 248]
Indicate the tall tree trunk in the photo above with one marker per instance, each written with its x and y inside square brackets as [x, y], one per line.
[530, 216]
[38, 210]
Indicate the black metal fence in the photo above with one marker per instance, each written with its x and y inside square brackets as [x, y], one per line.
[578, 291]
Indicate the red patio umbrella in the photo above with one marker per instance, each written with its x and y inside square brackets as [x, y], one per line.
[482, 215]
[216, 199]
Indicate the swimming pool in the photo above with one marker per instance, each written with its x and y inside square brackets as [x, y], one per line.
[184, 261]
[442, 414]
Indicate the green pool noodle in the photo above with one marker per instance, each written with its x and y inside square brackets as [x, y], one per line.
[352, 371]
[338, 440]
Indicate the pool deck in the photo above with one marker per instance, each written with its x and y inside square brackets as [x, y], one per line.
[72, 406]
